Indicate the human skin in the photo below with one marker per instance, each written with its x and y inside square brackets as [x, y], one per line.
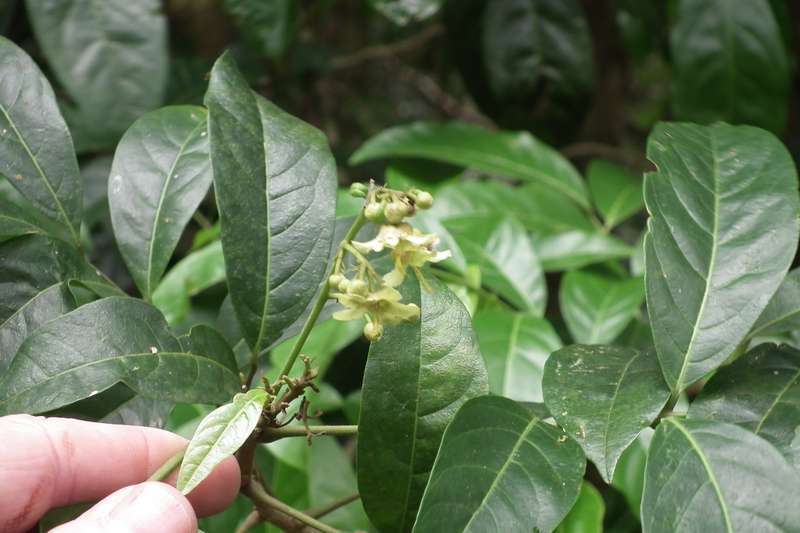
[51, 462]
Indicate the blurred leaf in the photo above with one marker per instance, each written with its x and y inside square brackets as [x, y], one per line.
[577, 249]
[586, 516]
[401, 12]
[515, 347]
[110, 57]
[219, 436]
[417, 375]
[286, 229]
[513, 155]
[729, 63]
[267, 27]
[161, 173]
[94, 174]
[760, 391]
[716, 477]
[597, 307]
[604, 396]
[782, 313]
[616, 193]
[711, 269]
[193, 274]
[500, 468]
[629, 474]
[502, 250]
[36, 153]
[103, 343]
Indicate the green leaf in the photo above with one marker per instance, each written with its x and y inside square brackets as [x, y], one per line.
[515, 347]
[616, 193]
[206, 341]
[729, 63]
[604, 396]
[161, 173]
[94, 174]
[760, 391]
[19, 217]
[711, 265]
[782, 313]
[586, 516]
[577, 249]
[629, 474]
[501, 248]
[521, 473]
[416, 377]
[711, 476]
[218, 437]
[267, 27]
[401, 12]
[514, 155]
[36, 153]
[597, 307]
[276, 242]
[103, 343]
[193, 274]
[111, 57]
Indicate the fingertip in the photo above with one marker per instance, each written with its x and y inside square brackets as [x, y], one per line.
[217, 492]
[142, 508]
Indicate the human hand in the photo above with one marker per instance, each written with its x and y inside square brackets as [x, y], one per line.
[51, 462]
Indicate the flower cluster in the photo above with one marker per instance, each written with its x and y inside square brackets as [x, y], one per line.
[367, 294]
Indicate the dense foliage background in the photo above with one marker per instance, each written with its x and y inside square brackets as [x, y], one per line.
[487, 84]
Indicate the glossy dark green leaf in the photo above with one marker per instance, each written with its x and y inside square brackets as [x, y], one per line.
[502, 250]
[514, 155]
[515, 347]
[729, 63]
[111, 58]
[103, 343]
[401, 12]
[161, 173]
[616, 192]
[500, 468]
[712, 264]
[760, 391]
[712, 476]
[36, 153]
[19, 217]
[597, 307]
[604, 396]
[629, 474]
[416, 378]
[118, 405]
[193, 274]
[275, 183]
[218, 437]
[586, 516]
[782, 313]
[206, 341]
[267, 27]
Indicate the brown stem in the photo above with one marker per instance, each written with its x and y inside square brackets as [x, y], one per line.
[282, 515]
[322, 510]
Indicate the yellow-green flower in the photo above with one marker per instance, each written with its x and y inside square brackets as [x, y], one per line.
[410, 248]
[380, 307]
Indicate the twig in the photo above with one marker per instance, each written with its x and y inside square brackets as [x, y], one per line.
[287, 517]
[385, 50]
[252, 520]
[322, 510]
[169, 465]
[272, 434]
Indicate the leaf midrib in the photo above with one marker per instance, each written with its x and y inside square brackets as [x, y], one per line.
[611, 410]
[711, 477]
[42, 174]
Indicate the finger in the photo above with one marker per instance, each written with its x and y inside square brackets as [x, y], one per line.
[51, 462]
[142, 508]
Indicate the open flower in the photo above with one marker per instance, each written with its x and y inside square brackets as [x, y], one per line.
[380, 307]
[410, 248]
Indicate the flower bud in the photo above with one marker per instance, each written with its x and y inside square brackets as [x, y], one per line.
[358, 286]
[374, 212]
[396, 211]
[424, 200]
[373, 331]
[344, 284]
[358, 190]
[334, 280]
